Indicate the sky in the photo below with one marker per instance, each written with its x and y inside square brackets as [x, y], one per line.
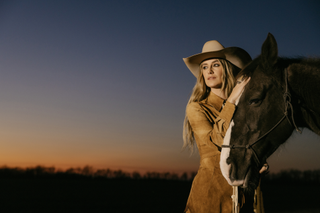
[102, 83]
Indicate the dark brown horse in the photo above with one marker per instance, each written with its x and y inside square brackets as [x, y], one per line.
[282, 96]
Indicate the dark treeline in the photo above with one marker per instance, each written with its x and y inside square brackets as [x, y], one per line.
[293, 176]
[88, 172]
[47, 189]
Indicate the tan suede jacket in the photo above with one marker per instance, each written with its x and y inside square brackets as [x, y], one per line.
[210, 192]
[209, 123]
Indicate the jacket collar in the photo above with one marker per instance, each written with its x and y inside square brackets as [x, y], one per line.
[215, 101]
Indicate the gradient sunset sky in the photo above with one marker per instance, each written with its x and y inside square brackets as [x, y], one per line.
[102, 83]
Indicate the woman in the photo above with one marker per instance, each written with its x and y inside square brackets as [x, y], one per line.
[208, 114]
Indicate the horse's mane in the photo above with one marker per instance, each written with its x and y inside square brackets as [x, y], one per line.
[304, 73]
[282, 63]
[249, 68]
[304, 79]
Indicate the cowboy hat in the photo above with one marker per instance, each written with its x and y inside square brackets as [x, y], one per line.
[213, 49]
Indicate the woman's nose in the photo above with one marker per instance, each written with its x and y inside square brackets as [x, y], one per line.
[211, 70]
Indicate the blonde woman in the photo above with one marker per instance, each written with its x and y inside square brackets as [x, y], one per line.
[208, 114]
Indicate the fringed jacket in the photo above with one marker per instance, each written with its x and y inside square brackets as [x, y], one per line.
[210, 192]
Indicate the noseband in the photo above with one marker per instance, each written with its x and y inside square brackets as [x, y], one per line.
[287, 102]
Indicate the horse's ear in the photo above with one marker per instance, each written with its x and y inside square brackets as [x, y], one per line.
[269, 52]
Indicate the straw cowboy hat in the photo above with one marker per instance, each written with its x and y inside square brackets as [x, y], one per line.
[213, 49]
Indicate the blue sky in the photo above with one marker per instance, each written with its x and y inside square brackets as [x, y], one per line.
[103, 83]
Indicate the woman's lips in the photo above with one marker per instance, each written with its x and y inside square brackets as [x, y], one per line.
[211, 78]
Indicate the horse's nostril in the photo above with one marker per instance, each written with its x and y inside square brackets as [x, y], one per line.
[228, 161]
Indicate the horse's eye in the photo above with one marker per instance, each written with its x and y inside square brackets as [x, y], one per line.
[254, 101]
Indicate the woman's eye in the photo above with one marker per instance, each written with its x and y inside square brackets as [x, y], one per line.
[216, 65]
[204, 67]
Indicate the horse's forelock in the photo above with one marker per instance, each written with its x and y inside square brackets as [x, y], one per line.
[248, 70]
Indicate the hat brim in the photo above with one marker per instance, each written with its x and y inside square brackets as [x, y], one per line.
[235, 55]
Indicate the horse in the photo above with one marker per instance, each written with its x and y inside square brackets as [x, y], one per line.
[282, 96]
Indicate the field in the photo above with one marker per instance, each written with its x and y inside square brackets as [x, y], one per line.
[116, 195]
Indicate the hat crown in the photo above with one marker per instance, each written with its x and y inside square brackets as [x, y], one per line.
[213, 49]
[211, 46]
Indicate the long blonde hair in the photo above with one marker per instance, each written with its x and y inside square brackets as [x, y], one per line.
[201, 91]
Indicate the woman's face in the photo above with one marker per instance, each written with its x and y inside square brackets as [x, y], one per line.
[212, 73]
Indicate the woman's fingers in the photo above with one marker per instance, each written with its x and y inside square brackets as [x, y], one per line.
[264, 168]
[240, 86]
[237, 90]
[242, 81]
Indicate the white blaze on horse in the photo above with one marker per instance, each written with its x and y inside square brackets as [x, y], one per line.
[282, 95]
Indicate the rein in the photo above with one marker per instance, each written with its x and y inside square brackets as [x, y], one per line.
[287, 101]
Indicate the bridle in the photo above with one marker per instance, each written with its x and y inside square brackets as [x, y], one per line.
[287, 103]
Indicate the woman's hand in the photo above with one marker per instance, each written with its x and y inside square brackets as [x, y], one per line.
[264, 168]
[237, 90]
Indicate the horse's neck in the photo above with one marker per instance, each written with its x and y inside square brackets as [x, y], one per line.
[304, 80]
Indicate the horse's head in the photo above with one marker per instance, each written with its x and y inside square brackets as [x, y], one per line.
[253, 136]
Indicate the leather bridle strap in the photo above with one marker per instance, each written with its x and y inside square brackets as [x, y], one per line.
[287, 101]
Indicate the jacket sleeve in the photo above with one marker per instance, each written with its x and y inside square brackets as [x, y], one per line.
[206, 131]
